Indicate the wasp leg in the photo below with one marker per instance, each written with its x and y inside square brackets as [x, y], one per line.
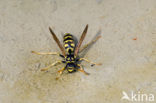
[60, 73]
[53, 64]
[61, 70]
[82, 70]
[90, 61]
[91, 42]
[48, 53]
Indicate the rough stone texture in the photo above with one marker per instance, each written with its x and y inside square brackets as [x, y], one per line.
[127, 50]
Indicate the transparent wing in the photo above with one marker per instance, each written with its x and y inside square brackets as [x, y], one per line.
[81, 40]
[57, 41]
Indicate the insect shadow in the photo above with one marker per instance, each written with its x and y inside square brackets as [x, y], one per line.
[84, 52]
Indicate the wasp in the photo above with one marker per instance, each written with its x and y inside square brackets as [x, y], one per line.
[69, 52]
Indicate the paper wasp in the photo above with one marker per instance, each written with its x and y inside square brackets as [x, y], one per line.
[69, 52]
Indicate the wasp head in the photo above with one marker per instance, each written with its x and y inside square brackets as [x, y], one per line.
[71, 67]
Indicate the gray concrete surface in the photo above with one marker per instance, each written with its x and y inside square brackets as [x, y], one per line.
[127, 50]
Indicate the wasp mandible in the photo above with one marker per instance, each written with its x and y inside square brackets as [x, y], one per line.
[69, 52]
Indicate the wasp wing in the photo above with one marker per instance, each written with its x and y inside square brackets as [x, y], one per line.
[81, 40]
[57, 41]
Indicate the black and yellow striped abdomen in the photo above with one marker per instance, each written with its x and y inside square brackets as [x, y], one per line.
[69, 43]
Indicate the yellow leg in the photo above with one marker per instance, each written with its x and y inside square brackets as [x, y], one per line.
[82, 70]
[49, 53]
[61, 70]
[46, 68]
[91, 42]
[60, 73]
[90, 62]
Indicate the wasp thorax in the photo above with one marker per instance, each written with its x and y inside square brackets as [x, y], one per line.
[70, 58]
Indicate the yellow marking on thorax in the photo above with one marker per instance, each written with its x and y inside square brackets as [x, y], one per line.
[70, 61]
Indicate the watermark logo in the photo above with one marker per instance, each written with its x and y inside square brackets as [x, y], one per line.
[137, 97]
